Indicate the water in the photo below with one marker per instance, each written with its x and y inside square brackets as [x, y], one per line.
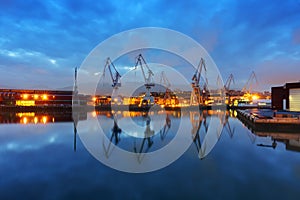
[41, 159]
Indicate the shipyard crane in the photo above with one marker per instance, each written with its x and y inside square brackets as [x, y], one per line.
[249, 84]
[115, 76]
[166, 83]
[197, 94]
[147, 99]
[228, 82]
[227, 87]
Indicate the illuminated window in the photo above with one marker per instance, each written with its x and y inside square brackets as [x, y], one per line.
[25, 96]
[25, 103]
[45, 97]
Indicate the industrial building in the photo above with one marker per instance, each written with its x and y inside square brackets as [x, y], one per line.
[20, 97]
[286, 97]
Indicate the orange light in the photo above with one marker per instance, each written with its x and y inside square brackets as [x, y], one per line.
[255, 97]
[25, 96]
[44, 119]
[35, 120]
[45, 97]
[35, 96]
[94, 98]
[25, 120]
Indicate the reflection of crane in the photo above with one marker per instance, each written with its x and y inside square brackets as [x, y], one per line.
[196, 120]
[115, 76]
[249, 84]
[197, 94]
[148, 99]
[115, 135]
[166, 128]
[148, 134]
[226, 125]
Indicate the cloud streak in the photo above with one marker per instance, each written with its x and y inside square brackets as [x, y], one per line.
[46, 43]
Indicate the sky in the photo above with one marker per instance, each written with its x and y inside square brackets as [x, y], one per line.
[41, 42]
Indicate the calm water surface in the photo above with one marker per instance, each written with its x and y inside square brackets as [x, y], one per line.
[41, 158]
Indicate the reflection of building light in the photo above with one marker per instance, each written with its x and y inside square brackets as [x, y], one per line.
[35, 120]
[35, 96]
[94, 98]
[25, 120]
[45, 97]
[94, 114]
[53, 120]
[44, 119]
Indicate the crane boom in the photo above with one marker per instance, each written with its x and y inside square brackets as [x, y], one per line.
[249, 84]
[197, 75]
[115, 77]
[228, 82]
[197, 94]
[141, 61]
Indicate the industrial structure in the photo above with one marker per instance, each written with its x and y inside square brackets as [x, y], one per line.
[19, 97]
[286, 97]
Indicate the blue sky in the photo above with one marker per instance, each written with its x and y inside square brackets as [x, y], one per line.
[42, 41]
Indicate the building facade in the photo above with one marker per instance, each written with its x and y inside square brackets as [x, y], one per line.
[19, 97]
[286, 97]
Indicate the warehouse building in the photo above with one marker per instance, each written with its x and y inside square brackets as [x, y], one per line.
[19, 97]
[286, 97]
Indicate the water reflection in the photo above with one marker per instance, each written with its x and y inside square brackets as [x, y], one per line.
[152, 139]
[290, 140]
[114, 139]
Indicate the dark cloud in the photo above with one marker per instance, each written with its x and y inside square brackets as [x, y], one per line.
[240, 35]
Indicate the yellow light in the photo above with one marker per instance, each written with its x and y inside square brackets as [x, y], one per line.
[94, 114]
[53, 120]
[35, 96]
[25, 120]
[25, 96]
[45, 97]
[25, 103]
[255, 97]
[44, 119]
[94, 98]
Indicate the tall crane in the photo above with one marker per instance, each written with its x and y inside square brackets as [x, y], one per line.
[249, 84]
[148, 99]
[115, 76]
[227, 88]
[228, 83]
[197, 94]
[166, 83]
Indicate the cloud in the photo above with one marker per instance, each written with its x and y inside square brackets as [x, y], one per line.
[240, 35]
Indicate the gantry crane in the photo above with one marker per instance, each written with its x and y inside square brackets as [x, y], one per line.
[165, 82]
[115, 76]
[227, 87]
[197, 94]
[147, 99]
[249, 84]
